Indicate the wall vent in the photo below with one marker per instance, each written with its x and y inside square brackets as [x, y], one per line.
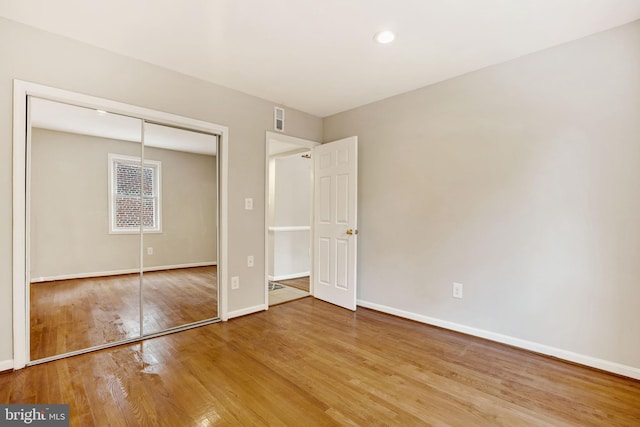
[278, 119]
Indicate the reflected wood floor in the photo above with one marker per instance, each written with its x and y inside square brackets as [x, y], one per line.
[70, 315]
[301, 283]
[309, 363]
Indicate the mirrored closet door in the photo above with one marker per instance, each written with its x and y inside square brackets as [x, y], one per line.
[122, 229]
[179, 255]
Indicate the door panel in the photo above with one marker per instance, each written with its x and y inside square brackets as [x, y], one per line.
[323, 263]
[325, 200]
[335, 224]
[342, 199]
[83, 270]
[180, 283]
[342, 263]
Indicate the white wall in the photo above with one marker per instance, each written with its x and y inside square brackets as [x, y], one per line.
[291, 208]
[519, 181]
[33, 55]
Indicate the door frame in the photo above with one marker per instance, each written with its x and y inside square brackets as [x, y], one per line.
[22, 89]
[302, 143]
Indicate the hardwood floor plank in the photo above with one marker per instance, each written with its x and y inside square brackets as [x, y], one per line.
[311, 363]
[75, 314]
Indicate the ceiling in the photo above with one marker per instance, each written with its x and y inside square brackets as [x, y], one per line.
[62, 117]
[319, 56]
[283, 149]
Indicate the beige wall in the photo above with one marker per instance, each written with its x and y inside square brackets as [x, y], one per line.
[36, 56]
[188, 213]
[519, 181]
[70, 208]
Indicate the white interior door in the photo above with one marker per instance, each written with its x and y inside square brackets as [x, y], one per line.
[335, 221]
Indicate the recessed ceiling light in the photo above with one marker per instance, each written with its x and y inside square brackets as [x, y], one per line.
[384, 37]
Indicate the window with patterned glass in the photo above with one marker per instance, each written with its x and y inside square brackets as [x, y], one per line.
[135, 194]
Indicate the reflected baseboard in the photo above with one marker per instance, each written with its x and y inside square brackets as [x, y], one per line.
[120, 272]
[289, 276]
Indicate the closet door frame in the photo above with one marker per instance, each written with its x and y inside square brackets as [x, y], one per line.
[22, 89]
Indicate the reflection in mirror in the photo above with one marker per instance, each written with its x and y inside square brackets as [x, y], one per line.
[180, 256]
[84, 277]
[92, 189]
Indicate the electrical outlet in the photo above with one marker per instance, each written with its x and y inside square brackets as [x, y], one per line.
[250, 261]
[457, 290]
[235, 282]
[248, 204]
[149, 250]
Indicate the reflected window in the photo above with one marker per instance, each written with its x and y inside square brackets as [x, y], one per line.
[134, 194]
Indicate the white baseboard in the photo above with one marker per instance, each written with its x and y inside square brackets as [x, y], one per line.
[289, 276]
[605, 365]
[6, 365]
[248, 310]
[119, 272]
[291, 228]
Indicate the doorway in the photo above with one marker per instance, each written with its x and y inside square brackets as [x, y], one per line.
[289, 195]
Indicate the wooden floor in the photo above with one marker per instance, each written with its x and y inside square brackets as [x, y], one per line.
[70, 315]
[301, 283]
[309, 363]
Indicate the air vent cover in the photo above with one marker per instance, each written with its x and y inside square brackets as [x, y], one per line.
[278, 119]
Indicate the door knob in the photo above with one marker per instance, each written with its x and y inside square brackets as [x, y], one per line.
[352, 232]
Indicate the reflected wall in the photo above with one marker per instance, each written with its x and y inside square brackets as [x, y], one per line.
[84, 280]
